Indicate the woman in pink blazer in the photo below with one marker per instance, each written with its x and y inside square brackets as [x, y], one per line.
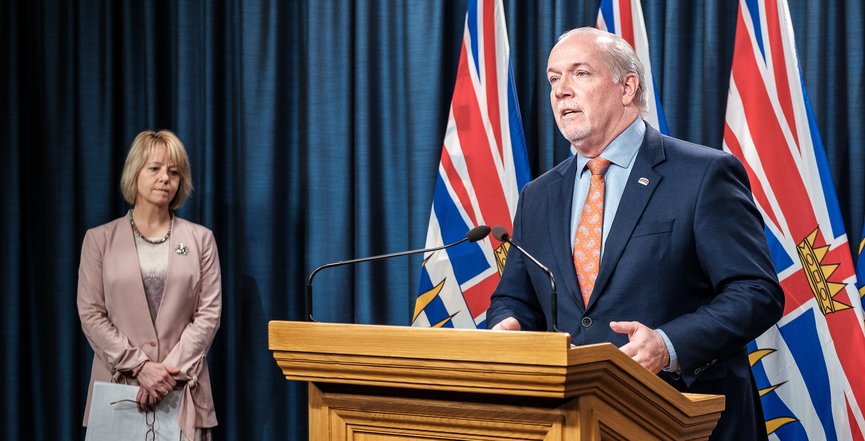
[150, 289]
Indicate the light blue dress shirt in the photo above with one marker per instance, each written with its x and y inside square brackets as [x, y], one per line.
[621, 153]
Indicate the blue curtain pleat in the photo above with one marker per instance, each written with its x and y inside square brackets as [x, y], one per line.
[314, 130]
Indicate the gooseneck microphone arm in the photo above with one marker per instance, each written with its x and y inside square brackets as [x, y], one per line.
[501, 234]
[474, 235]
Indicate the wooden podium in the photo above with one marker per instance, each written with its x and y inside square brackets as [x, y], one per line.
[370, 382]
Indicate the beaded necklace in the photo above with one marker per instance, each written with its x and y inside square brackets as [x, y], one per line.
[154, 242]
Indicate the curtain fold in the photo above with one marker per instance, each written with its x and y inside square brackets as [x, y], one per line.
[314, 131]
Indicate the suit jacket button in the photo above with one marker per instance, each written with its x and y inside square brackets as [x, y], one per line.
[152, 343]
[586, 321]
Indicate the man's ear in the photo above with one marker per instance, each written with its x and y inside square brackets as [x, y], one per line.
[630, 84]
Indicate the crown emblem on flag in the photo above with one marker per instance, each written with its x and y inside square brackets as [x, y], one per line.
[502, 256]
[818, 274]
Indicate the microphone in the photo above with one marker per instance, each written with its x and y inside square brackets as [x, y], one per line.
[501, 234]
[475, 234]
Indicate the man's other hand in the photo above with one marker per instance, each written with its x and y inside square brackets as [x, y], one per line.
[511, 324]
[645, 345]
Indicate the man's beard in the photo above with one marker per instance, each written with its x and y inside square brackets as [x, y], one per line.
[577, 135]
[580, 133]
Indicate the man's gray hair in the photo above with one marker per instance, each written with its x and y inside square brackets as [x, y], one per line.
[621, 59]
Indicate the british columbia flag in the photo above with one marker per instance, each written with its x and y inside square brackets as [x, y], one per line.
[625, 19]
[809, 366]
[860, 266]
[482, 170]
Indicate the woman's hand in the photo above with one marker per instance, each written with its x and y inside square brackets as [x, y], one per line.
[156, 382]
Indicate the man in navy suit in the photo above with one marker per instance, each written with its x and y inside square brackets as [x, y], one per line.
[685, 279]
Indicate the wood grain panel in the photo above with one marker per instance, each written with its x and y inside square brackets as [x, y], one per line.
[399, 383]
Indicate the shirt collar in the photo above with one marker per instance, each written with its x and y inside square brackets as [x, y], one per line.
[622, 150]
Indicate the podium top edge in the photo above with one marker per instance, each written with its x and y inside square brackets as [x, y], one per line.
[537, 348]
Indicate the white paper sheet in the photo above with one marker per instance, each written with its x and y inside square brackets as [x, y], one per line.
[123, 421]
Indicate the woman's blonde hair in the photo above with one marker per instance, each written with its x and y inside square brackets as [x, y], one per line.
[142, 146]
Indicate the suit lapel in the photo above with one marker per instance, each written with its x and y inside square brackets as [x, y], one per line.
[560, 202]
[179, 235]
[127, 254]
[634, 200]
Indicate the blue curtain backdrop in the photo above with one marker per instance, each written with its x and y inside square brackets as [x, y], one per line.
[314, 129]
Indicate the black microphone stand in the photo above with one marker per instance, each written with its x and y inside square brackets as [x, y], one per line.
[501, 234]
[474, 235]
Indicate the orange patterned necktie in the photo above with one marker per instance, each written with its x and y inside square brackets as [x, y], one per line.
[587, 243]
